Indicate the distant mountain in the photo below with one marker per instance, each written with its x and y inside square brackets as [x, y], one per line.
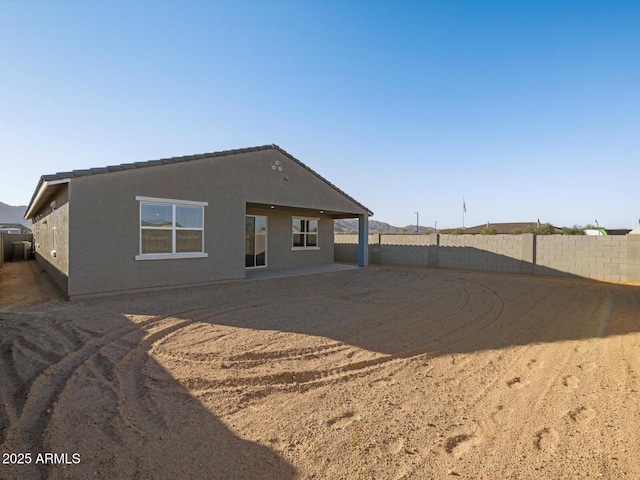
[10, 214]
[350, 225]
[412, 229]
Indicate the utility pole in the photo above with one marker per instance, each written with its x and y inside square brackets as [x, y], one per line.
[435, 227]
[417, 222]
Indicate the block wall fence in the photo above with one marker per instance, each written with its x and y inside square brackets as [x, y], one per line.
[6, 244]
[607, 258]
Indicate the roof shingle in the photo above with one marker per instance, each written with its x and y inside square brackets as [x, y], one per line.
[186, 158]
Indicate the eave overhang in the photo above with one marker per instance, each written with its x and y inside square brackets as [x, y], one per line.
[45, 191]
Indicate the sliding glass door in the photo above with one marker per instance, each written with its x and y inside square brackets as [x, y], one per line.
[255, 241]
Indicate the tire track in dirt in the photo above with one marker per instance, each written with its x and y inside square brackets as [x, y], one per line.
[35, 352]
[136, 405]
[70, 337]
[481, 322]
[441, 319]
[22, 359]
[13, 397]
[339, 354]
[311, 352]
[26, 433]
[257, 358]
[424, 303]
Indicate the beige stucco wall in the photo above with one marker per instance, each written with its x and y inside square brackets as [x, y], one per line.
[104, 219]
[43, 237]
[279, 238]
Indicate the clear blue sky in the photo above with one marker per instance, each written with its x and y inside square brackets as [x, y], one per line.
[527, 109]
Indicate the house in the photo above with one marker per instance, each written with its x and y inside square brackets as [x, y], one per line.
[14, 228]
[186, 221]
[501, 228]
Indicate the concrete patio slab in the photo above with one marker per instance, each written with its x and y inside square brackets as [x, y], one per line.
[264, 273]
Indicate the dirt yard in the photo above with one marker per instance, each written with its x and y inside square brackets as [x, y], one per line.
[381, 373]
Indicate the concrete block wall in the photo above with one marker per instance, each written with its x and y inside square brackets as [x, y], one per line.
[346, 247]
[417, 255]
[633, 258]
[606, 258]
[346, 252]
[596, 257]
[347, 239]
[413, 240]
[419, 250]
[6, 242]
[492, 253]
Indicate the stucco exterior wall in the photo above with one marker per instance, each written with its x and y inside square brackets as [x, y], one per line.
[279, 238]
[48, 240]
[104, 219]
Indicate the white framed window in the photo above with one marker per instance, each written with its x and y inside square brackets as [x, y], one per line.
[304, 233]
[171, 228]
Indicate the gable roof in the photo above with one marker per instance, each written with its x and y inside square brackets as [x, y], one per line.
[21, 227]
[50, 184]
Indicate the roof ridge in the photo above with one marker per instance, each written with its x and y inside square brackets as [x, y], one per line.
[62, 176]
[152, 163]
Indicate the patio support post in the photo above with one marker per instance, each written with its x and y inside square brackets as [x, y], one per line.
[363, 240]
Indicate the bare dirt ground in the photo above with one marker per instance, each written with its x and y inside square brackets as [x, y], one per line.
[381, 373]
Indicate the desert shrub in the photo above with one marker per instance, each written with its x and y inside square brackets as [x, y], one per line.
[575, 230]
[488, 231]
[458, 231]
[544, 229]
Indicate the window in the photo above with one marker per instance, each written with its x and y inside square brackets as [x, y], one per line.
[171, 229]
[305, 233]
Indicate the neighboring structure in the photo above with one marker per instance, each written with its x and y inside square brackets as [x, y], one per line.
[186, 220]
[14, 228]
[500, 228]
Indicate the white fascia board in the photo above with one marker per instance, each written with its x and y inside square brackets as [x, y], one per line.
[45, 185]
